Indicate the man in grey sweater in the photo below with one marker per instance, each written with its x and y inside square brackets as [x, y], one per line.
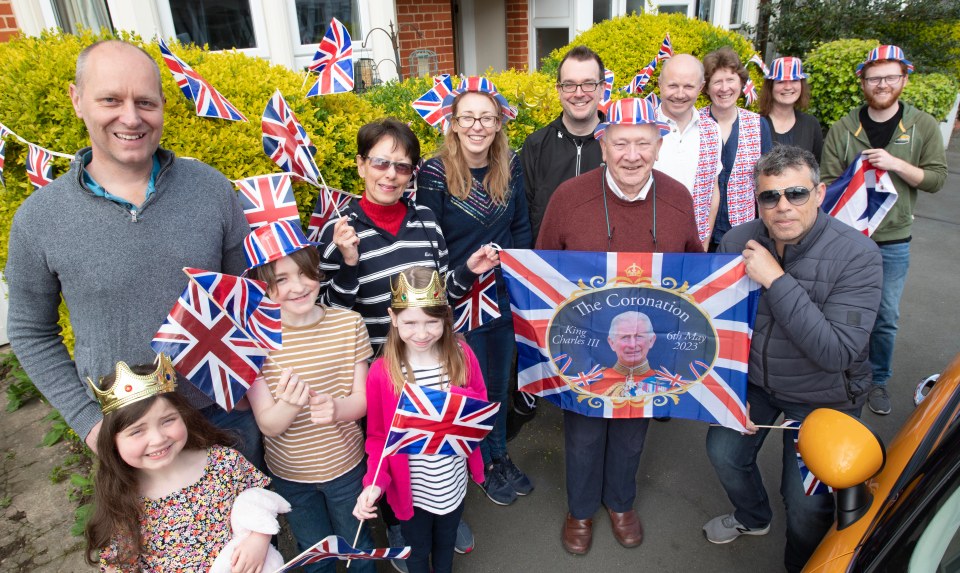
[111, 237]
[821, 284]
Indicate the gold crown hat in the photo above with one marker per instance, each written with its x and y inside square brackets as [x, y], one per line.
[129, 387]
[406, 296]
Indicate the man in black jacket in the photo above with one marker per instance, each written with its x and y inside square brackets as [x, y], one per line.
[821, 284]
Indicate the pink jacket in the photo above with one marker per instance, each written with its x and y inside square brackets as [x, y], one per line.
[394, 477]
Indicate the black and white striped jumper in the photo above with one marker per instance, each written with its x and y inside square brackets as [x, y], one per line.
[365, 287]
[438, 484]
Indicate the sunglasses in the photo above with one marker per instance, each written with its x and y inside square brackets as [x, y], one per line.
[797, 195]
[381, 164]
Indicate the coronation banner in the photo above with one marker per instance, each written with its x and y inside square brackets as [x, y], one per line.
[631, 335]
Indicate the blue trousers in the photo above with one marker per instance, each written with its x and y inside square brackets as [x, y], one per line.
[431, 538]
[494, 345]
[734, 457]
[322, 509]
[896, 262]
[242, 424]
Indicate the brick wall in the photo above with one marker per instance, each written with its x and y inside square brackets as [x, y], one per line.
[518, 36]
[8, 23]
[426, 24]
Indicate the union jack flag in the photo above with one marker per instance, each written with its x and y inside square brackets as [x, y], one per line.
[666, 49]
[641, 80]
[206, 99]
[286, 142]
[333, 61]
[755, 59]
[607, 86]
[811, 484]
[749, 92]
[245, 300]
[435, 422]
[479, 306]
[329, 203]
[430, 105]
[653, 99]
[545, 288]
[336, 547]
[208, 349]
[268, 198]
[3, 144]
[39, 169]
[861, 197]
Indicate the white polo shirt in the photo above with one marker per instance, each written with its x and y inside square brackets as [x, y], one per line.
[616, 188]
[680, 151]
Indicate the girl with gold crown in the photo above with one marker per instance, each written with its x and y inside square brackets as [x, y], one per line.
[426, 492]
[166, 485]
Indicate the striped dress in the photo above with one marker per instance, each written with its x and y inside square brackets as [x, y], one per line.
[324, 355]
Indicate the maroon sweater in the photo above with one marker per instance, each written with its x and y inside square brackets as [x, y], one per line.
[574, 220]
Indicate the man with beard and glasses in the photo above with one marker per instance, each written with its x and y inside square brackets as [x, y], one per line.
[905, 142]
[691, 149]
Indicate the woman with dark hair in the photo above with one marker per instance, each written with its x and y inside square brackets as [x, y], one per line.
[784, 96]
[745, 138]
[474, 185]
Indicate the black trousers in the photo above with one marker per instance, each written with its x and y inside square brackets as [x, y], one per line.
[430, 535]
[602, 458]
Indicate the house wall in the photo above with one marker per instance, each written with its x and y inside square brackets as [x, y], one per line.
[8, 22]
[518, 34]
[426, 24]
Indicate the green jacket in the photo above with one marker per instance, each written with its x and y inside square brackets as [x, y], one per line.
[917, 141]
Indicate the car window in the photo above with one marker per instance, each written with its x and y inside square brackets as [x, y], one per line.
[938, 548]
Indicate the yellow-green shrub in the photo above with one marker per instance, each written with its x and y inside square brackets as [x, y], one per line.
[627, 44]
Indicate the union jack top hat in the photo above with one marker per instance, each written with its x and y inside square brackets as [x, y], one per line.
[631, 111]
[273, 242]
[883, 53]
[479, 84]
[786, 69]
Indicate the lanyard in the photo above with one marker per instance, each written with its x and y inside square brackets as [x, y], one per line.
[606, 211]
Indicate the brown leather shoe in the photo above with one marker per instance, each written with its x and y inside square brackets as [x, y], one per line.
[577, 535]
[626, 528]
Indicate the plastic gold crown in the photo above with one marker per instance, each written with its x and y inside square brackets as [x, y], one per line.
[406, 296]
[129, 387]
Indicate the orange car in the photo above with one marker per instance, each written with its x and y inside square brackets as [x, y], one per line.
[898, 510]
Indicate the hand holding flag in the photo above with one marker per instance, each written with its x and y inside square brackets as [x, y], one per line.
[861, 197]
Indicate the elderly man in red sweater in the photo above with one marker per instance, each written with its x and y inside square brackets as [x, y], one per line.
[622, 206]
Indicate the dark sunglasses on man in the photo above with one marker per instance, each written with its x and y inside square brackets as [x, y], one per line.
[797, 195]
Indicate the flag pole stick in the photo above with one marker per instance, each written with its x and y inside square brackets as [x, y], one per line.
[761, 426]
[326, 189]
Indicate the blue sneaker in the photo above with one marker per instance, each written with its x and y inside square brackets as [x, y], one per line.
[465, 540]
[496, 486]
[395, 539]
[518, 480]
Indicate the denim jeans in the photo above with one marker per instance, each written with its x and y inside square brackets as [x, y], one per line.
[322, 509]
[494, 345]
[431, 536]
[896, 262]
[734, 457]
[242, 424]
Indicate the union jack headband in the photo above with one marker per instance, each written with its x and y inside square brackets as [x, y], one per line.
[479, 84]
[631, 111]
[885, 53]
[786, 69]
[273, 242]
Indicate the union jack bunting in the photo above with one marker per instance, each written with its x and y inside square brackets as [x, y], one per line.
[607, 86]
[811, 484]
[666, 49]
[39, 169]
[749, 92]
[206, 99]
[479, 306]
[286, 142]
[430, 105]
[435, 422]
[208, 349]
[699, 310]
[336, 547]
[246, 302]
[3, 144]
[861, 197]
[756, 59]
[333, 61]
[268, 198]
[329, 202]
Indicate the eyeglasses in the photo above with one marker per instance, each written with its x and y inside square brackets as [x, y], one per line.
[381, 164]
[771, 198]
[890, 80]
[467, 121]
[587, 87]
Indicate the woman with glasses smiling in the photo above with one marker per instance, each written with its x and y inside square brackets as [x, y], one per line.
[475, 187]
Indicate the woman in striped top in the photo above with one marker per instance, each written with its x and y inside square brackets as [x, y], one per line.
[310, 395]
[425, 492]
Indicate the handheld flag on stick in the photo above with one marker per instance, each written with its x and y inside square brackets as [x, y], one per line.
[749, 92]
[206, 99]
[429, 421]
[335, 547]
[607, 86]
[267, 198]
[333, 61]
[641, 80]
[286, 142]
[666, 49]
[39, 169]
[245, 302]
[3, 144]
[755, 59]
[861, 197]
[811, 484]
[479, 306]
[329, 202]
[430, 105]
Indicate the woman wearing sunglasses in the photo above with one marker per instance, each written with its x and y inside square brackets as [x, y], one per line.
[745, 138]
[784, 96]
[475, 187]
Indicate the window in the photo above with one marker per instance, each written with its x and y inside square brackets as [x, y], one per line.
[635, 6]
[673, 9]
[71, 15]
[313, 18]
[222, 24]
[549, 39]
[706, 10]
[736, 12]
[601, 11]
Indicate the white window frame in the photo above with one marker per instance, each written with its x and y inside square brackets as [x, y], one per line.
[256, 15]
